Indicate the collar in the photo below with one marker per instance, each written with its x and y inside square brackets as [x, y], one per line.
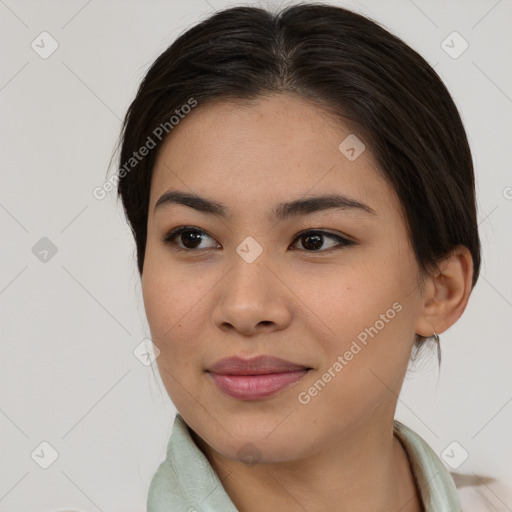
[435, 484]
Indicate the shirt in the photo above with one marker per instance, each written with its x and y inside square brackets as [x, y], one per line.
[186, 482]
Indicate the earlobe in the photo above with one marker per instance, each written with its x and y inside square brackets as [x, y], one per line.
[446, 293]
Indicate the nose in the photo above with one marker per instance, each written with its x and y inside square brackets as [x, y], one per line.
[253, 298]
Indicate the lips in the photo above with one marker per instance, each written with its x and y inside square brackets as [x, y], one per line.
[255, 378]
[260, 365]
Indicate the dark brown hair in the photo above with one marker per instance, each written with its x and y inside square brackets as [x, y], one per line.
[348, 65]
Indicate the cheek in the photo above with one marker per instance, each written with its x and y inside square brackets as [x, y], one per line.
[165, 301]
[168, 292]
[177, 309]
[348, 299]
[363, 368]
[170, 302]
[366, 317]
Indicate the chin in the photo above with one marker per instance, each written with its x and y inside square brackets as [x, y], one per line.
[252, 451]
[254, 440]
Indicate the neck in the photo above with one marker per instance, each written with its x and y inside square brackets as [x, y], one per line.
[367, 470]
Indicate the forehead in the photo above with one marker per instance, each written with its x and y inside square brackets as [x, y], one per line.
[277, 147]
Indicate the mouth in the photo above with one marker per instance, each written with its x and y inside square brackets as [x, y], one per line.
[255, 378]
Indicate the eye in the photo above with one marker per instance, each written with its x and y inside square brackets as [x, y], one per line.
[192, 237]
[312, 240]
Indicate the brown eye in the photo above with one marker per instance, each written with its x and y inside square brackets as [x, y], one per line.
[189, 237]
[313, 241]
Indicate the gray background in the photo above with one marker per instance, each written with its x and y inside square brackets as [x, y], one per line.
[70, 321]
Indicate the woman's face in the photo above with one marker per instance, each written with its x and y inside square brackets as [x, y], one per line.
[246, 283]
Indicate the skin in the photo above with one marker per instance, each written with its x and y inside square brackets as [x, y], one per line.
[292, 302]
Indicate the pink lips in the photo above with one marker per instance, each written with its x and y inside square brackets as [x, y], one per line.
[256, 378]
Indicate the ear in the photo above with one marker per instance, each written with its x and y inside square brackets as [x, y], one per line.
[446, 294]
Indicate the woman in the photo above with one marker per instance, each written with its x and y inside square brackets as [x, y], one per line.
[301, 193]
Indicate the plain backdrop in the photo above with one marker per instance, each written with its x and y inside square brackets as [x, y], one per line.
[74, 396]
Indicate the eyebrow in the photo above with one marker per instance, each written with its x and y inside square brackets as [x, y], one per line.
[281, 212]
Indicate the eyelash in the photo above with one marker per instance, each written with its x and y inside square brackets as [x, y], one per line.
[171, 235]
